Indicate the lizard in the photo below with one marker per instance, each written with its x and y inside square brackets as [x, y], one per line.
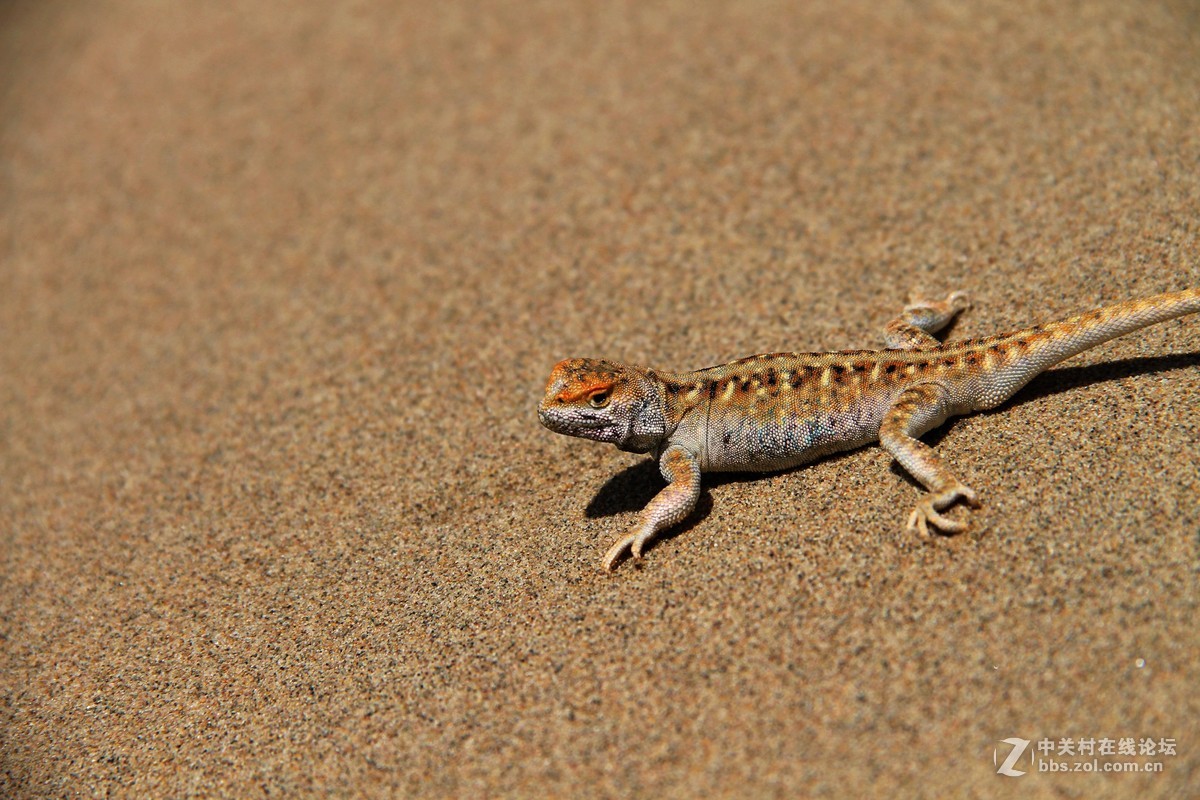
[779, 410]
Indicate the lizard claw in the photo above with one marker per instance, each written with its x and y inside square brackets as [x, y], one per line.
[927, 510]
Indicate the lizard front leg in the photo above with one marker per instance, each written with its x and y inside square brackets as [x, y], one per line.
[671, 506]
[919, 409]
[914, 328]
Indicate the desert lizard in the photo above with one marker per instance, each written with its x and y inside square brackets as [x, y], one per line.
[778, 410]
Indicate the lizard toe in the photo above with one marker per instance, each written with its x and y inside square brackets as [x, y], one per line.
[918, 522]
[970, 498]
[617, 550]
[959, 301]
[945, 523]
[928, 511]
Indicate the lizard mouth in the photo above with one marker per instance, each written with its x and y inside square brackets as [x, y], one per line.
[573, 425]
[593, 424]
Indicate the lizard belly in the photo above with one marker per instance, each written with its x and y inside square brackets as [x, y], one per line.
[788, 432]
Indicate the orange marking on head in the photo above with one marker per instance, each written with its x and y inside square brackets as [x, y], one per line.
[582, 391]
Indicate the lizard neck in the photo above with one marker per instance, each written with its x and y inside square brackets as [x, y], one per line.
[649, 426]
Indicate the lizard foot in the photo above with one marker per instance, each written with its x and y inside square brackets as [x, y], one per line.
[954, 303]
[926, 512]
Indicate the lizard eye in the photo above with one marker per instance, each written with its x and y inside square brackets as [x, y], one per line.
[600, 399]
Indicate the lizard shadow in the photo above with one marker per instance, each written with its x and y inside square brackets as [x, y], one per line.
[633, 487]
[1064, 379]
[636, 485]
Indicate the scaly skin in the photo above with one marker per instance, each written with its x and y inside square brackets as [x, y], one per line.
[774, 411]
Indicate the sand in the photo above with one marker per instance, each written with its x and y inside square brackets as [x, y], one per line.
[280, 286]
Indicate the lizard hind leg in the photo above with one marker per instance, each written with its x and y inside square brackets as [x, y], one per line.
[920, 319]
[919, 409]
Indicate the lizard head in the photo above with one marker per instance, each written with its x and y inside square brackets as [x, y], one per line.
[605, 402]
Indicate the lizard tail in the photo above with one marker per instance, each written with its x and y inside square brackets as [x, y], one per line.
[1084, 331]
[1035, 350]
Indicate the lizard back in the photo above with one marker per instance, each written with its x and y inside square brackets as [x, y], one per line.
[777, 410]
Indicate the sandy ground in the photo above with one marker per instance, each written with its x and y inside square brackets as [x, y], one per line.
[280, 287]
